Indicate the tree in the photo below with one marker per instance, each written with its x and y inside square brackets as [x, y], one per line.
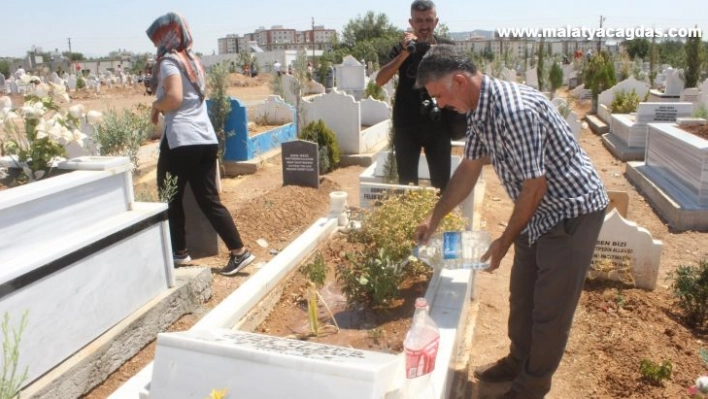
[672, 52]
[5, 68]
[637, 48]
[599, 75]
[443, 31]
[556, 78]
[374, 29]
[694, 59]
[539, 66]
[73, 57]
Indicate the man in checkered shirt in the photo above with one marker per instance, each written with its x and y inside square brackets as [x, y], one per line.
[559, 207]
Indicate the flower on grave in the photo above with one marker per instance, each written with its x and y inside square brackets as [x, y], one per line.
[221, 394]
[36, 146]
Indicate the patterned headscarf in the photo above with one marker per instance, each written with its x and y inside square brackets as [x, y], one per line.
[171, 34]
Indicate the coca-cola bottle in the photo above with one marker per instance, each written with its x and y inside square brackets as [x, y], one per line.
[421, 349]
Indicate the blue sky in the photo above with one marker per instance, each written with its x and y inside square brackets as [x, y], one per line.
[97, 27]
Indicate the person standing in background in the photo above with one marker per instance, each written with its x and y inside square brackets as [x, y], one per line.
[189, 145]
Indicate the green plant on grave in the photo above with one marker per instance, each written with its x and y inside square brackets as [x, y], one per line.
[599, 75]
[374, 91]
[80, 83]
[624, 103]
[690, 290]
[390, 175]
[373, 275]
[703, 353]
[700, 112]
[316, 272]
[219, 103]
[319, 133]
[655, 373]
[122, 134]
[11, 379]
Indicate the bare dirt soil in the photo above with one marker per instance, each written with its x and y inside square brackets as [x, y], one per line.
[615, 327]
[698, 130]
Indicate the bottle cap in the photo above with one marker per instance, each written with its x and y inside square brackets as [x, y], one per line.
[421, 303]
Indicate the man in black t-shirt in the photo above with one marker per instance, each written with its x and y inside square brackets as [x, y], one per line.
[417, 122]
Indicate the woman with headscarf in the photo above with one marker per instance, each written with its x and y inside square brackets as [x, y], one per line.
[189, 146]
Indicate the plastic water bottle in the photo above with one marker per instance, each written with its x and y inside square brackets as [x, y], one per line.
[421, 349]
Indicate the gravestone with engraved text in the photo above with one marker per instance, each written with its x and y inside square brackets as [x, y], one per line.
[301, 163]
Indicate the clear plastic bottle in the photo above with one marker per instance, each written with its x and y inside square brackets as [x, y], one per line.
[421, 349]
[452, 249]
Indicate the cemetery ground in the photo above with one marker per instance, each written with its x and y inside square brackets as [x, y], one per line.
[615, 328]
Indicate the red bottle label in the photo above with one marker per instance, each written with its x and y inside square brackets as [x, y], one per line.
[422, 361]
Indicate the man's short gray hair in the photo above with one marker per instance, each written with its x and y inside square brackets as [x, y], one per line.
[422, 5]
[440, 61]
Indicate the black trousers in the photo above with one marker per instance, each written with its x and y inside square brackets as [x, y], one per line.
[408, 141]
[196, 165]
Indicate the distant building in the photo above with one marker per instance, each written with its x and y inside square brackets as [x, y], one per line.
[278, 38]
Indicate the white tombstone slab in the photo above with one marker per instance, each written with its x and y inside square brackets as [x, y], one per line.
[662, 112]
[691, 95]
[71, 82]
[189, 364]
[626, 252]
[704, 93]
[274, 111]
[674, 82]
[531, 78]
[508, 74]
[575, 124]
[351, 74]
[568, 72]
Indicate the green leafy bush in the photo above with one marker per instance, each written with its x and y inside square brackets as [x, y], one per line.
[123, 134]
[316, 271]
[655, 373]
[376, 272]
[690, 289]
[12, 379]
[319, 133]
[624, 103]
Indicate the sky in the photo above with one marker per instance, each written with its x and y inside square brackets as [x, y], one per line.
[98, 27]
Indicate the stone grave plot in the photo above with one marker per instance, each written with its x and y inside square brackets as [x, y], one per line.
[604, 99]
[80, 256]
[628, 132]
[244, 145]
[345, 115]
[671, 81]
[674, 176]
[238, 338]
[625, 252]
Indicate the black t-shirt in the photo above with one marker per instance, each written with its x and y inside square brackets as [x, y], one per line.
[406, 108]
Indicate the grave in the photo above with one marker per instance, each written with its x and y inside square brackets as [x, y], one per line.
[301, 163]
[531, 78]
[448, 295]
[372, 185]
[625, 252]
[673, 83]
[605, 98]
[351, 77]
[361, 127]
[673, 176]
[80, 255]
[242, 147]
[628, 132]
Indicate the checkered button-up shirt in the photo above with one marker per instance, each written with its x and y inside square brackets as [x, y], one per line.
[526, 138]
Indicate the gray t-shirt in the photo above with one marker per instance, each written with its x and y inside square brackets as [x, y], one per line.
[190, 124]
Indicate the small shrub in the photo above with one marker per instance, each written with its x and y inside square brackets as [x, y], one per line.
[655, 373]
[701, 112]
[219, 103]
[11, 380]
[703, 353]
[316, 271]
[80, 83]
[319, 133]
[375, 273]
[374, 91]
[624, 103]
[123, 134]
[690, 289]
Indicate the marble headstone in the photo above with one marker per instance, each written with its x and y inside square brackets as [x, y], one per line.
[626, 252]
